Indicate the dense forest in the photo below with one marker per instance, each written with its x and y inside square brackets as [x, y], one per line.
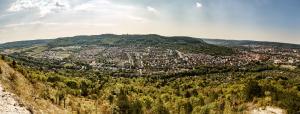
[204, 90]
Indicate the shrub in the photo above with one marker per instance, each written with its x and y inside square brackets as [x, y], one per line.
[110, 98]
[201, 110]
[14, 64]
[72, 84]
[252, 89]
[60, 96]
[2, 57]
[123, 102]
[147, 102]
[54, 79]
[160, 108]
[136, 107]
[188, 107]
[12, 77]
[84, 88]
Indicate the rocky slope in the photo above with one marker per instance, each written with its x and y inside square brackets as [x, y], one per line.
[18, 95]
[9, 105]
[268, 110]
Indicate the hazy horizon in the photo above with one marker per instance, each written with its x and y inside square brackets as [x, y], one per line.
[259, 20]
[150, 34]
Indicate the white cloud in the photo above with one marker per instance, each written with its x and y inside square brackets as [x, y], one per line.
[138, 19]
[21, 24]
[198, 5]
[109, 11]
[40, 23]
[81, 10]
[43, 6]
[103, 7]
[151, 9]
[94, 5]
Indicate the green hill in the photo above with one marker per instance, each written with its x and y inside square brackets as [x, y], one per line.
[185, 44]
[23, 44]
[231, 43]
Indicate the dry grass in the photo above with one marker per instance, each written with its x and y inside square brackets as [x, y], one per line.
[40, 98]
[28, 94]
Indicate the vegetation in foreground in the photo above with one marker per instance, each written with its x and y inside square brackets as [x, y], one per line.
[202, 91]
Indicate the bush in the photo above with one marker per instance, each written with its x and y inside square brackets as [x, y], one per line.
[188, 107]
[123, 102]
[84, 88]
[252, 89]
[54, 79]
[160, 108]
[2, 57]
[13, 77]
[203, 110]
[72, 84]
[110, 98]
[14, 64]
[136, 107]
[289, 100]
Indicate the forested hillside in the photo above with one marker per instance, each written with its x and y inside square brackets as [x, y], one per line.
[204, 90]
[187, 44]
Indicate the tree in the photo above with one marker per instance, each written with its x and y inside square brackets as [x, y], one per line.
[188, 107]
[2, 57]
[110, 99]
[123, 102]
[160, 108]
[187, 94]
[54, 79]
[60, 96]
[72, 84]
[84, 88]
[14, 64]
[252, 89]
[136, 107]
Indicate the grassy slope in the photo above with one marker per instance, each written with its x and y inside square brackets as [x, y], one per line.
[16, 83]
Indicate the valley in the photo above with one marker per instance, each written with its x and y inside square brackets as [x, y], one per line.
[133, 74]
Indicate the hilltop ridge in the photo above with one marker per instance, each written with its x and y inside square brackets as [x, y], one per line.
[182, 43]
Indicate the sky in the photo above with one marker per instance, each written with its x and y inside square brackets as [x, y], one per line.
[263, 20]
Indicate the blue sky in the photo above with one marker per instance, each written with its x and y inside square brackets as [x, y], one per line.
[267, 20]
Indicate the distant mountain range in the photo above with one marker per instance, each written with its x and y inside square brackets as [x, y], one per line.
[182, 43]
[235, 43]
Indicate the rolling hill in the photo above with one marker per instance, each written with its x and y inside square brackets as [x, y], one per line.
[185, 44]
[232, 43]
